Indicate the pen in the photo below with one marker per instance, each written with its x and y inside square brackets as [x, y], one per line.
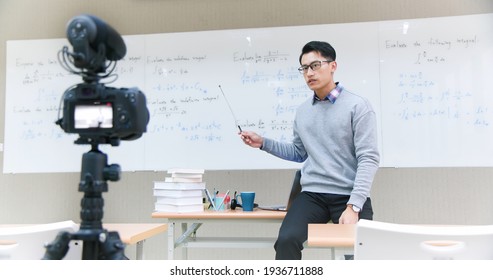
[210, 199]
[215, 196]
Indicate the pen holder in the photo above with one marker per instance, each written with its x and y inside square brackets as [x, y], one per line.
[222, 202]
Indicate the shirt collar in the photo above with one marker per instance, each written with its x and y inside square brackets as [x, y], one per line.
[332, 96]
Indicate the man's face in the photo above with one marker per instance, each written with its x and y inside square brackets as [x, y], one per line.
[320, 79]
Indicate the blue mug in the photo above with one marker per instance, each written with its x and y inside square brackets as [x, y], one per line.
[247, 200]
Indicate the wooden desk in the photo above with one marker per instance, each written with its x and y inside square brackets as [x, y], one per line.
[131, 234]
[331, 236]
[187, 239]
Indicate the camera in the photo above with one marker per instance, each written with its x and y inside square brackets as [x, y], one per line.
[99, 114]
[108, 114]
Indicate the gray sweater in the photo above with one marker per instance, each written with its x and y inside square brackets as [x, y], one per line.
[338, 143]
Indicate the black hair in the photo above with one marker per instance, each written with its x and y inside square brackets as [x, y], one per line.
[324, 48]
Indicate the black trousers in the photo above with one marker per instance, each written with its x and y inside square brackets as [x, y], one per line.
[311, 208]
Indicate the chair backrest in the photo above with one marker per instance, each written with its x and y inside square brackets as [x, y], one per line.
[387, 241]
[27, 242]
[295, 188]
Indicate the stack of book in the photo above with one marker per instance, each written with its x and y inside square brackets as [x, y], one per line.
[180, 192]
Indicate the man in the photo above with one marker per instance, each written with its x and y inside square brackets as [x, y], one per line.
[335, 135]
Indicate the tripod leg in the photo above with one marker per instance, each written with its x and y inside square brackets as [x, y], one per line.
[57, 249]
[113, 247]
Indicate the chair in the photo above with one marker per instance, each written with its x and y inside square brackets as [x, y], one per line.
[387, 241]
[27, 242]
[295, 188]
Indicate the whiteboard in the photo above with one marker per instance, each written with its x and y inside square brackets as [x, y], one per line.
[436, 91]
[192, 126]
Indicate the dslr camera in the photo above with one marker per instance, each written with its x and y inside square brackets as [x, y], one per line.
[99, 114]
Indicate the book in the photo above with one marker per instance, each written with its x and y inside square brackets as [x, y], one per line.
[177, 193]
[186, 175]
[182, 180]
[179, 208]
[185, 171]
[179, 200]
[179, 185]
[181, 191]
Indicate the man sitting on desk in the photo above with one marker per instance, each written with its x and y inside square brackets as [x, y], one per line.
[335, 135]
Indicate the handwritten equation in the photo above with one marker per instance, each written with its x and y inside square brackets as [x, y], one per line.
[421, 99]
[270, 56]
[435, 87]
[433, 50]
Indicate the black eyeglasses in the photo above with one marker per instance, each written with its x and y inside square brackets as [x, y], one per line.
[314, 66]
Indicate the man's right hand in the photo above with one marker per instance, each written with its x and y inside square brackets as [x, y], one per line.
[251, 138]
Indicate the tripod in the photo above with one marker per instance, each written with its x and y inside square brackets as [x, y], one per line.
[98, 243]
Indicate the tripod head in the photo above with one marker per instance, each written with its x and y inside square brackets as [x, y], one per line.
[98, 243]
[93, 182]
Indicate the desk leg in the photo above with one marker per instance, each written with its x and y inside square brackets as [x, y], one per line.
[184, 233]
[171, 241]
[182, 240]
[140, 250]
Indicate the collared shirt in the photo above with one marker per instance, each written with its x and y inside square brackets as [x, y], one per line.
[332, 96]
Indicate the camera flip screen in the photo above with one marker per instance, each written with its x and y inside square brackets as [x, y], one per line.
[93, 116]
